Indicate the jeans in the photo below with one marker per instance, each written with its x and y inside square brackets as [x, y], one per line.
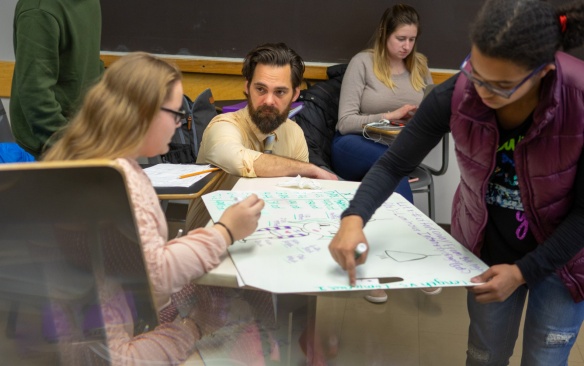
[552, 322]
[353, 155]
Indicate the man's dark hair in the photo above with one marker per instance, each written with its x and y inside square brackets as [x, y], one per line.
[274, 54]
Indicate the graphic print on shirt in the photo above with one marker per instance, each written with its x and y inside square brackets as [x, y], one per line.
[503, 188]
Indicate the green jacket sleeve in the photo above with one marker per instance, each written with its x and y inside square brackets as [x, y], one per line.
[36, 39]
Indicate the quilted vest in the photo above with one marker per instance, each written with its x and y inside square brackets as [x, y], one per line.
[546, 160]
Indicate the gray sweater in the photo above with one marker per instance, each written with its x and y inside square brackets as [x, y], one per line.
[364, 98]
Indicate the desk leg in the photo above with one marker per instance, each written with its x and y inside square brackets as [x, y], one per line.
[319, 340]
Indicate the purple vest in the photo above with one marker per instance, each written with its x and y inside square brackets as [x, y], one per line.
[546, 160]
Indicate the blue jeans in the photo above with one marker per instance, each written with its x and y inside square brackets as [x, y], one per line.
[552, 322]
[353, 155]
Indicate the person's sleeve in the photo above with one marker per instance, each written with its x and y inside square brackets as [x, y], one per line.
[414, 142]
[566, 241]
[224, 148]
[36, 71]
[175, 263]
[168, 344]
[350, 118]
[428, 79]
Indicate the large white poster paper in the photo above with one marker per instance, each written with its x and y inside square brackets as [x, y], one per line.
[288, 253]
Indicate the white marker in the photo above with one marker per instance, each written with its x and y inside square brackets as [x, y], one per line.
[360, 249]
[179, 234]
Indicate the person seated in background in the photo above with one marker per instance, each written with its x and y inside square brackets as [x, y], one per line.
[385, 82]
[259, 140]
[132, 112]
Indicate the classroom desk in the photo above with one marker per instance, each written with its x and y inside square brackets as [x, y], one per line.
[315, 309]
[189, 193]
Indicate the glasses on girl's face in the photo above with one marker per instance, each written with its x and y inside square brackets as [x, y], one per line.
[505, 93]
[178, 115]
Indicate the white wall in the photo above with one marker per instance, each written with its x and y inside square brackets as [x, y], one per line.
[6, 19]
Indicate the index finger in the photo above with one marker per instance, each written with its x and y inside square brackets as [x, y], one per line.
[351, 269]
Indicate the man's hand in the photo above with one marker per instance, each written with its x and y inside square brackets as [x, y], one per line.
[500, 282]
[343, 245]
[324, 174]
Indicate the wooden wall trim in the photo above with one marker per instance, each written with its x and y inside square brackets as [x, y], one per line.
[6, 70]
[224, 77]
[223, 67]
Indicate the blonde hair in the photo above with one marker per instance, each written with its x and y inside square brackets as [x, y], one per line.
[416, 63]
[117, 112]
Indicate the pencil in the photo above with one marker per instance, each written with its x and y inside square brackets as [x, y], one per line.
[198, 173]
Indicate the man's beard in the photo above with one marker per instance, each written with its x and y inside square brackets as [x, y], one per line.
[267, 118]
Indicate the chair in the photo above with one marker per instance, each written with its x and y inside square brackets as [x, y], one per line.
[425, 175]
[64, 228]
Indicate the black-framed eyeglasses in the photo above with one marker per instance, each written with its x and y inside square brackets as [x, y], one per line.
[178, 115]
[505, 93]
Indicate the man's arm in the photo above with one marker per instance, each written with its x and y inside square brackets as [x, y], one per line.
[267, 165]
[222, 146]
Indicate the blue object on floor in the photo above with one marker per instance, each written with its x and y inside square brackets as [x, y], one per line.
[10, 152]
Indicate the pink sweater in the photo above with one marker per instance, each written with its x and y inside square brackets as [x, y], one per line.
[171, 265]
[175, 263]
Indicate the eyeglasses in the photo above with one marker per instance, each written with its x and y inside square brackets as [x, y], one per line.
[505, 93]
[178, 115]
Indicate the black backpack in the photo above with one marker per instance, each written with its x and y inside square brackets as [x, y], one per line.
[319, 115]
[185, 143]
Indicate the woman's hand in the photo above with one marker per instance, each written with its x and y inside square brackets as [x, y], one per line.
[242, 218]
[343, 245]
[405, 112]
[500, 281]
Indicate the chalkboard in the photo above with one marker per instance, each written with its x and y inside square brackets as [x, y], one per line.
[328, 31]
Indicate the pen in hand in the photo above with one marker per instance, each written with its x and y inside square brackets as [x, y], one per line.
[360, 249]
[198, 173]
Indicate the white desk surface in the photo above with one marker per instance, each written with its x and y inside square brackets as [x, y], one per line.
[225, 275]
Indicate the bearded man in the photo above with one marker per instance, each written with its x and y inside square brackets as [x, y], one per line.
[259, 140]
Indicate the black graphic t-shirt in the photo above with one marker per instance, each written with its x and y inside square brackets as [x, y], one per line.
[507, 234]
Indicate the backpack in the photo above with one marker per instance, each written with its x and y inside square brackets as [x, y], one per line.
[319, 115]
[184, 146]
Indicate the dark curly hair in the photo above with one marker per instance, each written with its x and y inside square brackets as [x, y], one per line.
[527, 32]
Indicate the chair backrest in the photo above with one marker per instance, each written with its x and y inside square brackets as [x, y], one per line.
[445, 156]
[66, 230]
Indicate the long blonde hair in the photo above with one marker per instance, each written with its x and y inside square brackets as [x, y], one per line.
[117, 112]
[416, 63]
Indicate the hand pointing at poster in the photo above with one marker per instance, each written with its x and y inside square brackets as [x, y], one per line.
[344, 243]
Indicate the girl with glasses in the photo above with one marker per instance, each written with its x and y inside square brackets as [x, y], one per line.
[516, 114]
[134, 111]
